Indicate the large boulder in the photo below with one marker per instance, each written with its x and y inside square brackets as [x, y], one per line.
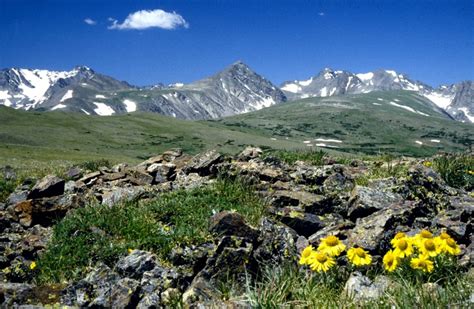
[136, 263]
[231, 223]
[303, 223]
[375, 231]
[203, 164]
[364, 201]
[47, 187]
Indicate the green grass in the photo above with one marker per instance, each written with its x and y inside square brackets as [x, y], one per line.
[289, 288]
[456, 169]
[99, 233]
[7, 186]
[314, 157]
[362, 127]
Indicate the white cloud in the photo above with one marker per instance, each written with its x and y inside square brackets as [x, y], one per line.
[150, 19]
[90, 21]
[321, 13]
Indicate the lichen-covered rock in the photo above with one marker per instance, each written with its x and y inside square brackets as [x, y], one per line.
[231, 223]
[303, 223]
[118, 194]
[374, 232]
[276, 243]
[92, 291]
[124, 293]
[365, 201]
[203, 164]
[136, 263]
[14, 294]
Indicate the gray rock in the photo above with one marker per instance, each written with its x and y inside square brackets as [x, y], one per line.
[374, 232]
[74, 173]
[231, 223]
[17, 197]
[365, 201]
[113, 176]
[162, 172]
[303, 223]
[276, 243]
[136, 263]
[202, 164]
[12, 294]
[90, 179]
[140, 178]
[361, 288]
[118, 194]
[124, 293]
[200, 291]
[303, 199]
[48, 186]
[250, 153]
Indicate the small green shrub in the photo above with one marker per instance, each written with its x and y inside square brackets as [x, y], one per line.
[7, 186]
[94, 165]
[100, 233]
[314, 157]
[456, 169]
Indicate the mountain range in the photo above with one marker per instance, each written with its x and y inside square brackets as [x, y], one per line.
[235, 90]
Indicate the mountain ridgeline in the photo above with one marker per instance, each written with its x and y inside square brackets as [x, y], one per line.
[235, 90]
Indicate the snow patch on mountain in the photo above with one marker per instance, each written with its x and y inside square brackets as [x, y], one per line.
[466, 112]
[439, 99]
[130, 106]
[59, 106]
[365, 76]
[103, 109]
[67, 96]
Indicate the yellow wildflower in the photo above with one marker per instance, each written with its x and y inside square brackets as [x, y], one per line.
[130, 250]
[331, 245]
[450, 246]
[359, 257]
[428, 163]
[305, 254]
[390, 261]
[421, 237]
[422, 262]
[398, 236]
[430, 247]
[320, 261]
[33, 265]
[402, 247]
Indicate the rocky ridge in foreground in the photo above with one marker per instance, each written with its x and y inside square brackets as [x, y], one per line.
[305, 203]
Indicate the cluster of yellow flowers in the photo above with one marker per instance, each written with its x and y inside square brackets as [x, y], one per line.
[322, 259]
[420, 248]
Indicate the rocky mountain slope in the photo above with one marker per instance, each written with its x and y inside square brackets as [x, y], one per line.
[32, 89]
[304, 203]
[457, 100]
[235, 90]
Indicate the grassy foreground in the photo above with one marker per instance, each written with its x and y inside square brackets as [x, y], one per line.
[101, 233]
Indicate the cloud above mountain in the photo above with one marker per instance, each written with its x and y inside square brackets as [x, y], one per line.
[90, 21]
[146, 19]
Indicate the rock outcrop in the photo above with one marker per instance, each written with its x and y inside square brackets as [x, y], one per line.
[305, 203]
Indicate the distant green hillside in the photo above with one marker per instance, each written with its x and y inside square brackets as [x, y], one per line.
[359, 124]
[387, 122]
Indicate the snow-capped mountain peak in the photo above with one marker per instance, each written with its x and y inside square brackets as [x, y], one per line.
[329, 82]
[26, 88]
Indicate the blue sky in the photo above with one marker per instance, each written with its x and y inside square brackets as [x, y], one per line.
[431, 41]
